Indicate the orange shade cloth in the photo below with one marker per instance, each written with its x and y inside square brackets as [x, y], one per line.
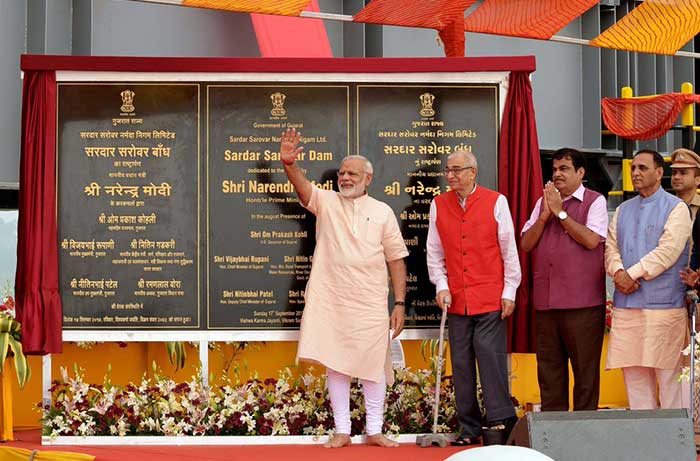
[452, 37]
[280, 7]
[538, 19]
[430, 14]
[647, 118]
[284, 36]
[655, 26]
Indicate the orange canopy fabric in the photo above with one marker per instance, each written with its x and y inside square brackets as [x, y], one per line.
[655, 26]
[538, 19]
[284, 36]
[279, 7]
[644, 118]
[430, 14]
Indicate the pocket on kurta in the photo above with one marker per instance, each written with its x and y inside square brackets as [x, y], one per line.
[373, 233]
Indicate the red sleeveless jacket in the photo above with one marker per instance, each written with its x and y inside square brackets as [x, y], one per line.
[472, 253]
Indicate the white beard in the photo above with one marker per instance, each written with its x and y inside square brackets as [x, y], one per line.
[352, 192]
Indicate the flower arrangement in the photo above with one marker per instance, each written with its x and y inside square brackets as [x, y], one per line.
[287, 405]
[11, 339]
[608, 314]
[7, 308]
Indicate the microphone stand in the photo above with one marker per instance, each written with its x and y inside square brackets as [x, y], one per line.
[692, 304]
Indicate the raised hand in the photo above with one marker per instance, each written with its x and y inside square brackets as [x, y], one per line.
[289, 147]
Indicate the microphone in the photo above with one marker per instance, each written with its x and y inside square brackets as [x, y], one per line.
[692, 296]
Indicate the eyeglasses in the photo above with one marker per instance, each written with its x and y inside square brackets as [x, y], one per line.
[352, 174]
[456, 171]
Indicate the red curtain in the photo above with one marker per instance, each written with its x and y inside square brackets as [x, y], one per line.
[520, 180]
[36, 283]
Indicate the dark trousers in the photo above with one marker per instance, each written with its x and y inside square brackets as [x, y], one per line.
[479, 338]
[563, 335]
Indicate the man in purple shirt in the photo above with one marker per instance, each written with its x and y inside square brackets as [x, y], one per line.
[566, 234]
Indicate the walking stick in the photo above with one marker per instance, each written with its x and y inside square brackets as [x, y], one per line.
[693, 298]
[440, 440]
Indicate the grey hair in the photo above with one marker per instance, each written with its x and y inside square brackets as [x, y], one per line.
[368, 165]
[468, 156]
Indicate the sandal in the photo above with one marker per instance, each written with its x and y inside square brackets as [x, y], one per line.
[462, 441]
[503, 425]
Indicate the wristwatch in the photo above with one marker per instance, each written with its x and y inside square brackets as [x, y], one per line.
[562, 215]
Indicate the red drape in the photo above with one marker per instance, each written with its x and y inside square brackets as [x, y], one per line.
[36, 283]
[520, 180]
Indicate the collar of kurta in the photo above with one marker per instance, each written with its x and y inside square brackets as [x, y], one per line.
[463, 201]
[653, 196]
[578, 194]
[358, 200]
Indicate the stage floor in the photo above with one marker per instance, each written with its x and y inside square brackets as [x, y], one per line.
[31, 440]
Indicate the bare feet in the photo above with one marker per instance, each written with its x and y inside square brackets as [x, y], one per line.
[381, 440]
[338, 441]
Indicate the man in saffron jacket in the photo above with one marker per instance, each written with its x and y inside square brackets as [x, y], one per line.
[647, 247]
[473, 262]
[566, 234]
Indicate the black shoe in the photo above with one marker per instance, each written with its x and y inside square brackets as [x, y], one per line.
[463, 441]
[497, 432]
[503, 424]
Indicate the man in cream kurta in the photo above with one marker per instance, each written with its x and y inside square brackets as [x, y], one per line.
[645, 251]
[345, 324]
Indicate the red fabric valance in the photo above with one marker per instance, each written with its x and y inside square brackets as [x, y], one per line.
[287, 65]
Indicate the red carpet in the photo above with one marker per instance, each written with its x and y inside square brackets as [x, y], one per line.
[406, 452]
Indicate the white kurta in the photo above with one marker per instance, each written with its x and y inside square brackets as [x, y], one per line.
[345, 324]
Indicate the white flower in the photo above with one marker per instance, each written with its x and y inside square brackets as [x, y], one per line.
[170, 427]
[308, 379]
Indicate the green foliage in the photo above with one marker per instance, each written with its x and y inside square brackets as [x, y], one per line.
[176, 353]
[10, 340]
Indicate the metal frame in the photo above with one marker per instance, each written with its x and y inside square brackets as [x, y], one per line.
[203, 337]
